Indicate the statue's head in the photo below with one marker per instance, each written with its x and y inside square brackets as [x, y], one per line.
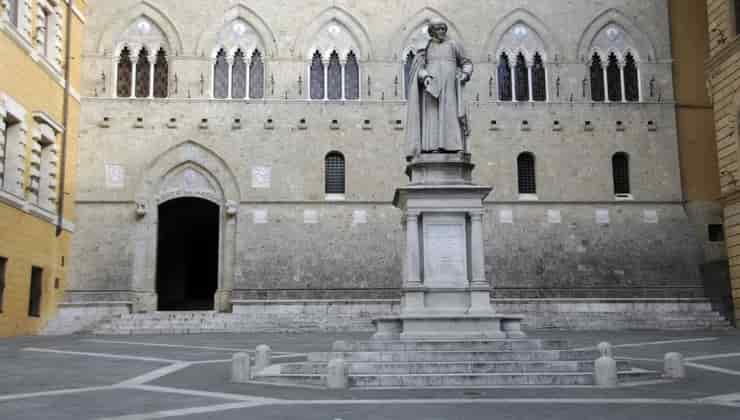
[438, 30]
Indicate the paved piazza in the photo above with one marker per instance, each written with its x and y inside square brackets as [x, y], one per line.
[187, 377]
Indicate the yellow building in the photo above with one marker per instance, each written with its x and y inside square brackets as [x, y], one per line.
[40, 51]
[723, 69]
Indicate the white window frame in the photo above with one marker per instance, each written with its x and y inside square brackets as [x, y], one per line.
[14, 146]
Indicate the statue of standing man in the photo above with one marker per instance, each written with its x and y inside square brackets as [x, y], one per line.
[436, 117]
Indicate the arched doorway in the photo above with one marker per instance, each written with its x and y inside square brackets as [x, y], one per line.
[187, 254]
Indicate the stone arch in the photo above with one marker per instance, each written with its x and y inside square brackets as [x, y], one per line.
[494, 44]
[412, 34]
[645, 47]
[169, 177]
[126, 18]
[209, 38]
[306, 46]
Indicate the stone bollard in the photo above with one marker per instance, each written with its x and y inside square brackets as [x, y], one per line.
[605, 367]
[262, 358]
[674, 366]
[240, 368]
[337, 376]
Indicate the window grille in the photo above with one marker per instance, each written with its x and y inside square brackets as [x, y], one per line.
[631, 81]
[3, 266]
[504, 78]
[34, 301]
[256, 76]
[614, 79]
[620, 166]
[221, 76]
[407, 71]
[334, 77]
[539, 79]
[522, 79]
[317, 76]
[335, 173]
[597, 79]
[143, 74]
[161, 75]
[239, 76]
[351, 77]
[125, 69]
[526, 173]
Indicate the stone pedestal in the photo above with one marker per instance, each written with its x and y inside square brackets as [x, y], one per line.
[445, 290]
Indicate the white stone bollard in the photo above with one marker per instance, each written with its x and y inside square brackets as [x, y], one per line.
[262, 358]
[605, 367]
[337, 376]
[674, 366]
[240, 368]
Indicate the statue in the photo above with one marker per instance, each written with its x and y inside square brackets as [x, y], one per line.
[436, 117]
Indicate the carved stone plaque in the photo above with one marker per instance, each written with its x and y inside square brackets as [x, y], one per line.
[506, 217]
[310, 217]
[602, 217]
[651, 217]
[359, 217]
[445, 255]
[259, 217]
[554, 217]
[261, 177]
[115, 176]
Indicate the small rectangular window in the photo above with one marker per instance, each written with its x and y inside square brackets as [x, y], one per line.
[3, 266]
[47, 31]
[716, 233]
[34, 300]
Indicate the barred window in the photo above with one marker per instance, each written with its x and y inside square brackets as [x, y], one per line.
[351, 77]
[407, 71]
[522, 79]
[34, 297]
[13, 12]
[335, 173]
[621, 169]
[256, 76]
[221, 76]
[614, 79]
[631, 80]
[334, 77]
[143, 74]
[161, 75]
[539, 79]
[125, 73]
[598, 93]
[3, 266]
[239, 76]
[317, 76]
[504, 78]
[526, 173]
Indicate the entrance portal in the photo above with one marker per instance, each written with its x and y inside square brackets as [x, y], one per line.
[187, 254]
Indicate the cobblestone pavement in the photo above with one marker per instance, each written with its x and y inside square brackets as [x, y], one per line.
[187, 377]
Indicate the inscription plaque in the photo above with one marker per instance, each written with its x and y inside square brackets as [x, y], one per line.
[445, 255]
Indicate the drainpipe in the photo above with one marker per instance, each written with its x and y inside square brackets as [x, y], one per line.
[65, 118]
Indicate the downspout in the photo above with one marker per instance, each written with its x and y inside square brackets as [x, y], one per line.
[65, 118]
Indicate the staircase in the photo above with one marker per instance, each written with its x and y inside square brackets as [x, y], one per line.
[443, 364]
[159, 323]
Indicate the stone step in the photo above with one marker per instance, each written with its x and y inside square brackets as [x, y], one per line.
[473, 345]
[448, 367]
[457, 356]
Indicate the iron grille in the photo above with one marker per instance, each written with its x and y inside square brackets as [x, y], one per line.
[620, 165]
[335, 174]
[526, 172]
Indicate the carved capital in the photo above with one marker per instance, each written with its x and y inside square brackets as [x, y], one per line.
[232, 209]
[141, 209]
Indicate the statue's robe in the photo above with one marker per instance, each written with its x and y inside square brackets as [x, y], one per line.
[434, 114]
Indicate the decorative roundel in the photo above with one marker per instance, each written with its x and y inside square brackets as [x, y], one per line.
[521, 31]
[334, 30]
[613, 33]
[144, 27]
[239, 28]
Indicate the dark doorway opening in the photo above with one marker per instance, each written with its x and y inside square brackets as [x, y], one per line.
[187, 255]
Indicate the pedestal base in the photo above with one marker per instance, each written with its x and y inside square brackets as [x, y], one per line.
[448, 327]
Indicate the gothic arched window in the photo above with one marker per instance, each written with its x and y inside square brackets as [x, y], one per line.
[221, 76]
[407, 71]
[334, 77]
[351, 77]
[539, 79]
[257, 76]
[317, 76]
[239, 76]
[621, 173]
[334, 172]
[614, 79]
[522, 78]
[143, 74]
[598, 93]
[526, 174]
[124, 74]
[161, 75]
[631, 79]
[504, 78]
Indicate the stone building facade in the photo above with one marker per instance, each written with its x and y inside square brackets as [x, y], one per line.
[724, 82]
[39, 125]
[259, 145]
